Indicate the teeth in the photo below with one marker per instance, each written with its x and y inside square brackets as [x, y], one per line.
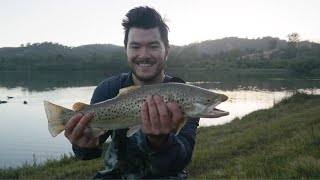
[144, 65]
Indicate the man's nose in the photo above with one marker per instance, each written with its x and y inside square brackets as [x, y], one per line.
[144, 53]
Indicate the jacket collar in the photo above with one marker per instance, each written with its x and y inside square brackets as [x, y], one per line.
[129, 80]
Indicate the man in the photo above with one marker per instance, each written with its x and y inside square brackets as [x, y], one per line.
[154, 151]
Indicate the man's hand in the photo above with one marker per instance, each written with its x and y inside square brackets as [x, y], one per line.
[159, 119]
[76, 134]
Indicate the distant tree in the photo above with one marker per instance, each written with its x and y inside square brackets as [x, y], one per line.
[293, 39]
[273, 43]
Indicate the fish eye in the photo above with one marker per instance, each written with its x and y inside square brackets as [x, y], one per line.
[208, 100]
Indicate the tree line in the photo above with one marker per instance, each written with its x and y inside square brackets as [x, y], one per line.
[53, 56]
[296, 56]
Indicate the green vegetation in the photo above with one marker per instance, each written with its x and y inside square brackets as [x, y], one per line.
[302, 58]
[66, 168]
[280, 142]
[53, 56]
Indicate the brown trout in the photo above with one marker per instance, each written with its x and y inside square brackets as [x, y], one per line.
[124, 111]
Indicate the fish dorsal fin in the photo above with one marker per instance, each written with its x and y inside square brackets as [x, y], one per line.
[127, 90]
[79, 106]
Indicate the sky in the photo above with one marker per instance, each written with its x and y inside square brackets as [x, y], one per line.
[80, 22]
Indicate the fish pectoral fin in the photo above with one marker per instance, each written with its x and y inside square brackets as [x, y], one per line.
[79, 106]
[133, 130]
[127, 90]
[96, 132]
[181, 125]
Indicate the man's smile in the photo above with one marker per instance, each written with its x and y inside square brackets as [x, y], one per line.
[144, 64]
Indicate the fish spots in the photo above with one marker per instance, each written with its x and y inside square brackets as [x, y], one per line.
[126, 109]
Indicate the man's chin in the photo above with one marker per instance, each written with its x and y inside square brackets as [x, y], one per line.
[147, 75]
[146, 78]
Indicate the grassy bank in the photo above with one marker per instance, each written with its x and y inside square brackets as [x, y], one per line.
[281, 142]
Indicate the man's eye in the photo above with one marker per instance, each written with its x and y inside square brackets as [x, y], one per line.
[134, 47]
[154, 46]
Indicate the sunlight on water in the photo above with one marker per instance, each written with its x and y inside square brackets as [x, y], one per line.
[243, 102]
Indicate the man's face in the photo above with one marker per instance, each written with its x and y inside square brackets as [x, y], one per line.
[146, 54]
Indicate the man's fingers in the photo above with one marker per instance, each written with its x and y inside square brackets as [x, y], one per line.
[82, 124]
[153, 112]
[145, 116]
[161, 107]
[164, 117]
[159, 117]
[71, 124]
[177, 115]
[94, 142]
[89, 142]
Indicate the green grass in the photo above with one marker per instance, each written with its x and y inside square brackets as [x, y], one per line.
[281, 142]
[68, 167]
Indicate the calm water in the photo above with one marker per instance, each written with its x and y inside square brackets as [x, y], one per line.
[24, 133]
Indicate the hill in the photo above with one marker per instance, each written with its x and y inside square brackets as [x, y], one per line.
[213, 47]
[223, 54]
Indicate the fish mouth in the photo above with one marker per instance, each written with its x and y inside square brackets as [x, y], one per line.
[218, 113]
[213, 112]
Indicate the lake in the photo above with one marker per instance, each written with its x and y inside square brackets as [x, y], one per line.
[24, 132]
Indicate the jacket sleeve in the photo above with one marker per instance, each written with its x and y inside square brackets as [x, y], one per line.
[88, 154]
[176, 154]
[101, 93]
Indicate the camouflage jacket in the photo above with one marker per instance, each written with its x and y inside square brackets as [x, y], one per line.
[132, 158]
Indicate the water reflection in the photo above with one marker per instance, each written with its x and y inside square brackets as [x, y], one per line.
[48, 80]
[227, 80]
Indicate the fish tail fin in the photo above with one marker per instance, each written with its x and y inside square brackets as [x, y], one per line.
[55, 123]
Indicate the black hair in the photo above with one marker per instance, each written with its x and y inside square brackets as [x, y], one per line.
[146, 18]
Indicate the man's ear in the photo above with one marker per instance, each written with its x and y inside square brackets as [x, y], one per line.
[167, 51]
[125, 51]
